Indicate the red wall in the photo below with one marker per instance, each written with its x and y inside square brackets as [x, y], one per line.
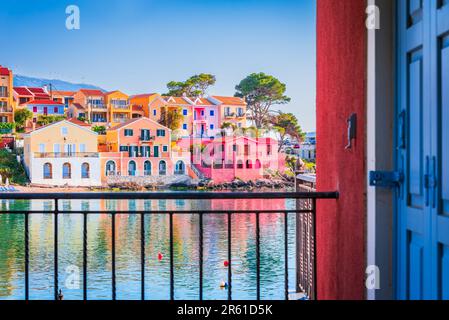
[341, 86]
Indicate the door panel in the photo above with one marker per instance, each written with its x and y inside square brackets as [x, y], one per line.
[413, 220]
[422, 264]
[440, 205]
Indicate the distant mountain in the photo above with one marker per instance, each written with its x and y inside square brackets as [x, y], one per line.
[20, 81]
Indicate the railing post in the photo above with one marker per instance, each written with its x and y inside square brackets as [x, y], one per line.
[258, 255]
[201, 254]
[142, 255]
[172, 276]
[286, 254]
[229, 256]
[55, 248]
[113, 258]
[84, 256]
[314, 254]
[27, 258]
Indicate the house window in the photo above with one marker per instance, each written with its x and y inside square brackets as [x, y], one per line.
[184, 112]
[147, 168]
[268, 149]
[212, 127]
[124, 148]
[110, 168]
[160, 133]
[165, 148]
[82, 148]
[212, 113]
[48, 171]
[132, 168]
[184, 126]
[162, 168]
[66, 171]
[129, 133]
[64, 131]
[35, 109]
[55, 110]
[154, 112]
[85, 172]
[41, 147]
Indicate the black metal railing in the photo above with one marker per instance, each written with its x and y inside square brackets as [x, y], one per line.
[56, 212]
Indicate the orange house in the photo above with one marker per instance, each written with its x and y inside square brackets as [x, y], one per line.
[183, 104]
[141, 104]
[137, 148]
[90, 102]
[119, 108]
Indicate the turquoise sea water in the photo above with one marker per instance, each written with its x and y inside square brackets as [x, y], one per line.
[157, 272]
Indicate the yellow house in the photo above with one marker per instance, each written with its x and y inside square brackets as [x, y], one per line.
[119, 108]
[6, 95]
[62, 153]
[182, 104]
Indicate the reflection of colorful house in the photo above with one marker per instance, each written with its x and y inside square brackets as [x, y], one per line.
[62, 153]
[138, 147]
[6, 95]
[227, 158]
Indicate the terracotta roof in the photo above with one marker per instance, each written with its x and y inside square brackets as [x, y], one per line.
[63, 93]
[37, 90]
[91, 92]
[202, 102]
[144, 95]
[177, 100]
[233, 101]
[23, 91]
[45, 102]
[78, 122]
[4, 71]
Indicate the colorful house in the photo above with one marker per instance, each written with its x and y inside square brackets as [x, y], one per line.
[22, 95]
[6, 95]
[62, 153]
[141, 104]
[180, 104]
[45, 108]
[227, 158]
[91, 103]
[64, 97]
[138, 147]
[118, 107]
[205, 122]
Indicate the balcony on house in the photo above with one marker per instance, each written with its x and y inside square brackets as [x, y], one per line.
[120, 104]
[99, 105]
[5, 108]
[120, 118]
[57, 155]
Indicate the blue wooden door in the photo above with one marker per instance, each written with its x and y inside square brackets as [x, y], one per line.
[422, 252]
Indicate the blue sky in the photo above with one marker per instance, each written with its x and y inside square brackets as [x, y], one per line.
[139, 45]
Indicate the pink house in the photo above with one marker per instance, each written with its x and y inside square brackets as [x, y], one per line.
[245, 158]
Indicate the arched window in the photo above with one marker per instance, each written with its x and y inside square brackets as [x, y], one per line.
[85, 171]
[180, 168]
[258, 164]
[240, 164]
[110, 168]
[66, 171]
[147, 168]
[48, 171]
[162, 168]
[249, 164]
[132, 167]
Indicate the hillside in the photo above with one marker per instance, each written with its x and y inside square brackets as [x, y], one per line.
[20, 81]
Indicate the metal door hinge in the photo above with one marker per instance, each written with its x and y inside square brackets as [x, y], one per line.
[385, 179]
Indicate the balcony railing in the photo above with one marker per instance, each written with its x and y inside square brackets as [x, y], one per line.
[57, 212]
[97, 106]
[66, 155]
[5, 109]
[147, 138]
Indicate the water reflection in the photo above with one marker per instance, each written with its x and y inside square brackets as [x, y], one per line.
[157, 272]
